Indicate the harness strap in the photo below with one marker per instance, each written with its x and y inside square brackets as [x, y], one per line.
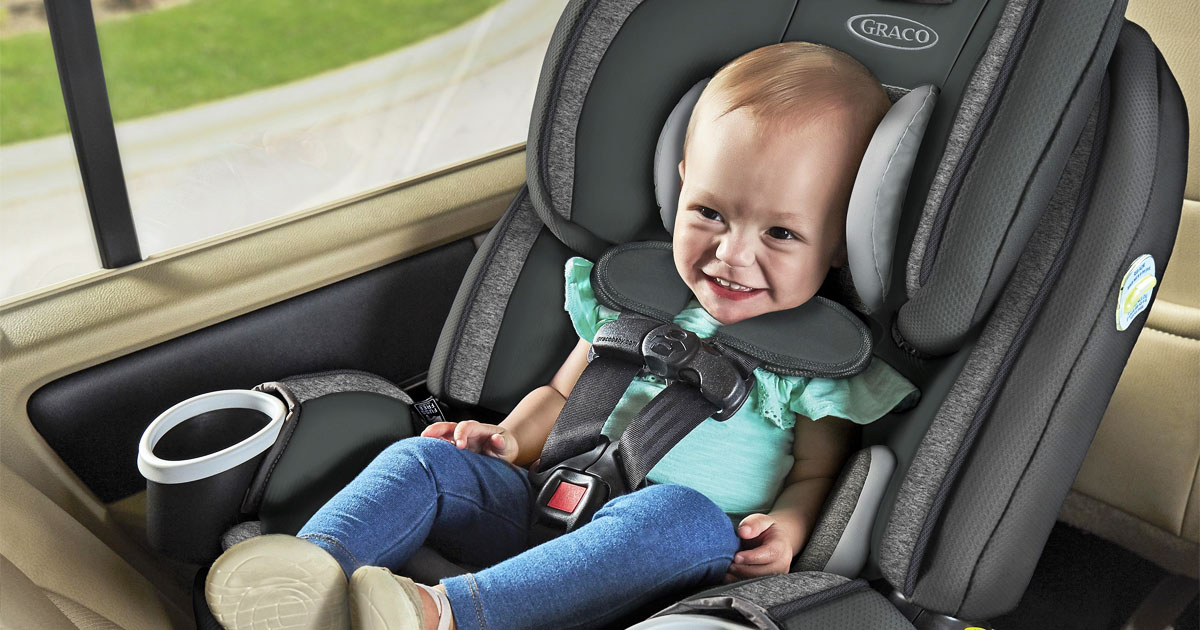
[659, 426]
[580, 469]
[666, 420]
[595, 395]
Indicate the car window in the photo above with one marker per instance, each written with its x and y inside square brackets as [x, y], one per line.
[229, 113]
[45, 234]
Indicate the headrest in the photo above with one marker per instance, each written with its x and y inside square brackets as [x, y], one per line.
[875, 202]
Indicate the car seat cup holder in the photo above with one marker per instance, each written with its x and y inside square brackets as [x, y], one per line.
[198, 458]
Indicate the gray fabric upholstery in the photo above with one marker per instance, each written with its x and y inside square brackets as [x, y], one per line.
[460, 362]
[601, 27]
[576, 48]
[843, 496]
[931, 464]
[668, 153]
[1061, 382]
[534, 319]
[753, 599]
[1030, 135]
[598, 91]
[242, 531]
[968, 117]
[878, 196]
[309, 386]
[851, 553]
[856, 611]
[895, 92]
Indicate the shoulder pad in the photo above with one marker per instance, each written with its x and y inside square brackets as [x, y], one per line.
[819, 338]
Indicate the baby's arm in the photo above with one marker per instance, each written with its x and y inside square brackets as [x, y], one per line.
[531, 420]
[520, 437]
[772, 540]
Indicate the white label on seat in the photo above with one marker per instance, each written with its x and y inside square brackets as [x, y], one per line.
[1136, 288]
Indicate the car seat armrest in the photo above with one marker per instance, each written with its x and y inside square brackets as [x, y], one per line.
[841, 539]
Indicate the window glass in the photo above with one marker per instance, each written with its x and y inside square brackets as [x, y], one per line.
[45, 233]
[232, 112]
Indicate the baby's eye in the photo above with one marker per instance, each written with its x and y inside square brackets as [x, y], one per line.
[782, 234]
[710, 214]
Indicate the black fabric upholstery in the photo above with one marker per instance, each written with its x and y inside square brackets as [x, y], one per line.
[861, 609]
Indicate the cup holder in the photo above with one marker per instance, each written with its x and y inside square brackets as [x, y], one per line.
[198, 458]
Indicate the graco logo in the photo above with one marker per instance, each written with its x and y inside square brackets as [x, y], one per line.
[892, 31]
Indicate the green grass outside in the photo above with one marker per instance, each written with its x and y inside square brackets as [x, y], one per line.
[211, 49]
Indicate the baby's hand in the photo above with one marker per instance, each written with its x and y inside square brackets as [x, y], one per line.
[485, 439]
[765, 549]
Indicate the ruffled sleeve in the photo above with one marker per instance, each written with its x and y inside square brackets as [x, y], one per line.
[775, 394]
[862, 398]
[587, 315]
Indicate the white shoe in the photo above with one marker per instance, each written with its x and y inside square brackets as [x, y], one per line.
[380, 600]
[277, 582]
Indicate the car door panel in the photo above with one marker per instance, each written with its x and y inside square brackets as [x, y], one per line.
[363, 283]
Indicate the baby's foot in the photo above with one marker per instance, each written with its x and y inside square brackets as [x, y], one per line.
[380, 600]
[279, 582]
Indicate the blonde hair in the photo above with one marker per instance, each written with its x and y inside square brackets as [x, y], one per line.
[794, 83]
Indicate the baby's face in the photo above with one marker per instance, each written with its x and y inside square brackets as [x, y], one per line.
[761, 219]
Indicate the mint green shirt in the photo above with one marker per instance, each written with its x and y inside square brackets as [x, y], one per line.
[740, 463]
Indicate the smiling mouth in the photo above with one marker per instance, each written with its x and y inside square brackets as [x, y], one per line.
[733, 286]
[730, 290]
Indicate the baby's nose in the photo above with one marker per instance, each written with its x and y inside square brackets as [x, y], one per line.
[735, 250]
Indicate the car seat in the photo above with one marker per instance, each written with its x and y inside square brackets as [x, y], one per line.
[1052, 163]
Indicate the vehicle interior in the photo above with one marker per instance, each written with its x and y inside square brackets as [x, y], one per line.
[1067, 477]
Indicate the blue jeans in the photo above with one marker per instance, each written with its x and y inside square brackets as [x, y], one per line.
[475, 509]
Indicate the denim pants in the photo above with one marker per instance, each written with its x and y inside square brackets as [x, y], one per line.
[475, 509]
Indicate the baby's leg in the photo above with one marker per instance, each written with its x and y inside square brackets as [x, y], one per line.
[637, 548]
[416, 486]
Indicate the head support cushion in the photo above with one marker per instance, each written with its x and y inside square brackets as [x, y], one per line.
[875, 202]
[878, 195]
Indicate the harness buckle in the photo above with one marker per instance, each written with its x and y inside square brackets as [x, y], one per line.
[621, 339]
[571, 492]
[675, 353]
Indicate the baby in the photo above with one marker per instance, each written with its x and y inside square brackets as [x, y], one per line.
[771, 153]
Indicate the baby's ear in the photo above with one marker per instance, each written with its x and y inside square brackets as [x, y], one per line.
[681, 170]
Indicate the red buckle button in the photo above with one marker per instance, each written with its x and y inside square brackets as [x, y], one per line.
[566, 497]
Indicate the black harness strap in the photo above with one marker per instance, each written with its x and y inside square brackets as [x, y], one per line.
[666, 420]
[593, 398]
[659, 426]
[580, 469]
[616, 358]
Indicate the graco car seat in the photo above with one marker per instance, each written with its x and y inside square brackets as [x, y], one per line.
[1051, 167]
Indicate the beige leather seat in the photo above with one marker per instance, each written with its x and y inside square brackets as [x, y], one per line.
[55, 573]
[1139, 486]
